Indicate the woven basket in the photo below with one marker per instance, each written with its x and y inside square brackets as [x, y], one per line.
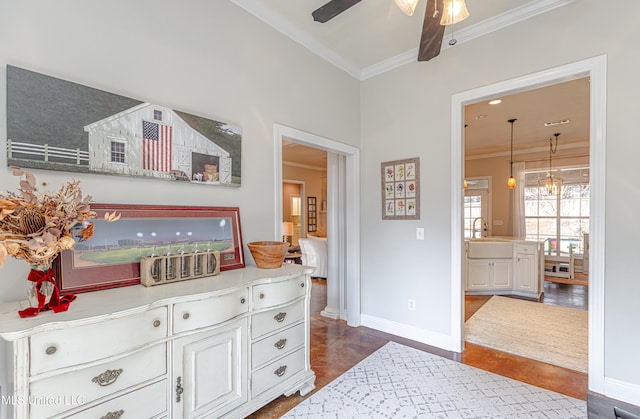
[267, 254]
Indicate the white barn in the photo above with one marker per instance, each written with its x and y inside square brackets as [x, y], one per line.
[151, 140]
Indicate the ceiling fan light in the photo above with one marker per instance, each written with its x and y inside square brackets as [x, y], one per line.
[407, 6]
[454, 11]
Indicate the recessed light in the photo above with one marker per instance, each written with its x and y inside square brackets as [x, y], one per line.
[495, 102]
[481, 116]
[550, 124]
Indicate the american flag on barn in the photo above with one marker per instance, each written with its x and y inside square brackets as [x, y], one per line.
[154, 141]
[156, 146]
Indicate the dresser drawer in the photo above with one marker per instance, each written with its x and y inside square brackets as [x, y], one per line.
[209, 311]
[146, 402]
[92, 383]
[268, 321]
[276, 293]
[527, 249]
[277, 372]
[276, 345]
[62, 348]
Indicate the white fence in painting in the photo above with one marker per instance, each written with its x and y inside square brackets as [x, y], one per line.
[80, 157]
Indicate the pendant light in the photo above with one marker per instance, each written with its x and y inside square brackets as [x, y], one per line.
[511, 182]
[552, 186]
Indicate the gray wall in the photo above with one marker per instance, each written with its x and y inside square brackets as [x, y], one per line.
[406, 113]
[207, 58]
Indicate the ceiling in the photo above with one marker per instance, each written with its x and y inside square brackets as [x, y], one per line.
[374, 36]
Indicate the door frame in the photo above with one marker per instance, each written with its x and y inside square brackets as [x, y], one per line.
[596, 69]
[347, 249]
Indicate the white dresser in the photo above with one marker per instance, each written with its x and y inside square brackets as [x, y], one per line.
[220, 346]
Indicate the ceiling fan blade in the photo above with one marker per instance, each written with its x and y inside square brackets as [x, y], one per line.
[332, 9]
[432, 32]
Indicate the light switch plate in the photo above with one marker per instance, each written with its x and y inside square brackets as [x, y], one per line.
[420, 233]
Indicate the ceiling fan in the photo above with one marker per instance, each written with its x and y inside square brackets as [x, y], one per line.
[438, 14]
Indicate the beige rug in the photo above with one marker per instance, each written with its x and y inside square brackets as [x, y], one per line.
[551, 334]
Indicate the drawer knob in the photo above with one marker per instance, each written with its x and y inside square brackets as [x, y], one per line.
[107, 377]
[156, 323]
[281, 371]
[113, 415]
[185, 316]
[242, 300]
[280, 344]
[51, 350]
[302, 285]
[262, 295]
[280, 317]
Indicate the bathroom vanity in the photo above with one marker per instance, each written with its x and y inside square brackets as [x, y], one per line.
[209, 347]
[504, 266]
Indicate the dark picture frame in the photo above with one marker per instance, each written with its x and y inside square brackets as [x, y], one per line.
[111, 258]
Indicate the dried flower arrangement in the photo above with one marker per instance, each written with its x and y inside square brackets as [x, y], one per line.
[36, 226]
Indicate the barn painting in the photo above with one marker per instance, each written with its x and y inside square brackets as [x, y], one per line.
[59, 125]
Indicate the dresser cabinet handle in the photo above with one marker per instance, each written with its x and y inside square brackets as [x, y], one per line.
[262, 295]
[281, 371]
[179, 389]
[185, 316]
[280, 344]
[51, 350]
[156, 323]
[113, 415]
[280, 317]
[302, 285]
[242, 300]
[107, 377]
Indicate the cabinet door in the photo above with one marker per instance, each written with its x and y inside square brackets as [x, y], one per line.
[210, 372]
[501, 270]
[525, 273]
[478, 274]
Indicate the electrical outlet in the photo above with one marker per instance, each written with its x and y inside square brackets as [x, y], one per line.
[412, 305]
[419, 233]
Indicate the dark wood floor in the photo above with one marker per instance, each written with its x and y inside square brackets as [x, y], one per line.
[336, 347]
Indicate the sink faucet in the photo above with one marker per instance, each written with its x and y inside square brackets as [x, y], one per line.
[484, 225]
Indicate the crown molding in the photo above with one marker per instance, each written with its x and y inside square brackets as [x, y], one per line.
[285, 27]
[303, 166]
[469, 33]
[579, 144]
[282, 25]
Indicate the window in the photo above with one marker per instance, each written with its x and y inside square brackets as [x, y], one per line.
[559, 220]
[476, 208]
[117, 152]
[157, 115]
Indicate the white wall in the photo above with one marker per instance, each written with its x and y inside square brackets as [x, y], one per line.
[406, 113]
[208, 58]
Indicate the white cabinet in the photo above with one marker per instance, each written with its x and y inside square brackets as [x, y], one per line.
[520, 274]
[209, 373]
[209, 347]
[489, 274]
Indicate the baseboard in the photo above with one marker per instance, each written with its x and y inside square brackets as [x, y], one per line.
[603, 407]
[410, 332]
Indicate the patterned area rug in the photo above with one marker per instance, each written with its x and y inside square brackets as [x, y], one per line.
[551, 334]
[397, 382]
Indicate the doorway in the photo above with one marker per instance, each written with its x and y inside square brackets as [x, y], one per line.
[595, 69]
[343, 205]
